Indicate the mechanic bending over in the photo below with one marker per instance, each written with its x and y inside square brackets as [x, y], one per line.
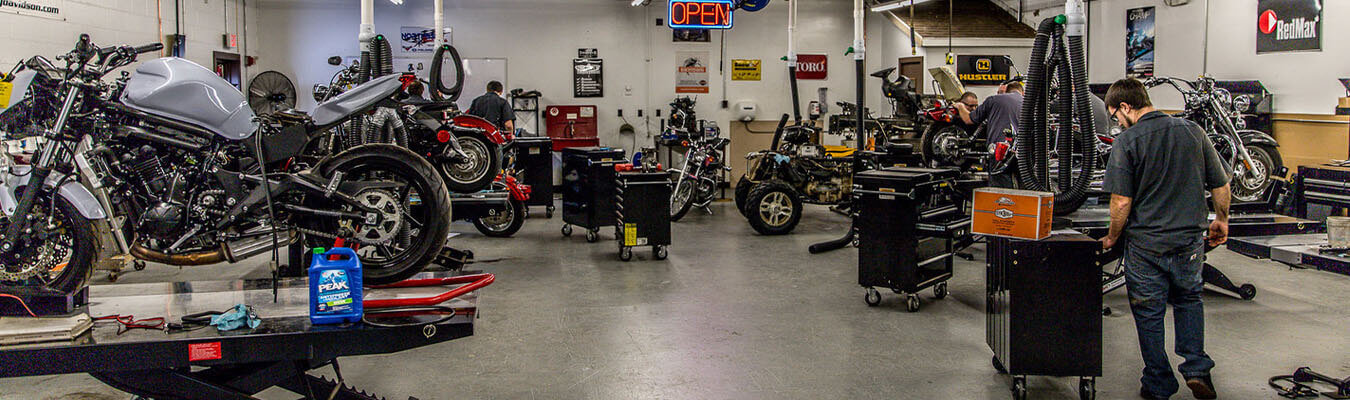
[998, 114]
[1159, 170]
[494, 108]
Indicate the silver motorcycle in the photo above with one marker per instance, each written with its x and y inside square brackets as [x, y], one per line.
[696, 183]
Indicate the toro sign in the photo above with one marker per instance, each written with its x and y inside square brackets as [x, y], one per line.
[700, 14]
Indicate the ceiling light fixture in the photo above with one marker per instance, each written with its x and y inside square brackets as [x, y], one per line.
[640, 3]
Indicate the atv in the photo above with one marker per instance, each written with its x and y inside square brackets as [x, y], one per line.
[794, 170]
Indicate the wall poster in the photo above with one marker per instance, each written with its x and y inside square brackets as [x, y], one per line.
[1288, 25]
[691, 72]
[419, 39]
[1139, 34]
[745, 70]
[588, 77]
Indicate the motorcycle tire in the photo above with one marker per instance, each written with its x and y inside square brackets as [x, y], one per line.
[433, 207]
[679, 210]
[84, 247]
[475, 174]
[1263, 154]
[765, 203]
[494, 227]
[927, 143]
[742, 191]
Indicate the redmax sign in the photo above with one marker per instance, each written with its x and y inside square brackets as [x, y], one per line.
[812, 66]
[1288, 25]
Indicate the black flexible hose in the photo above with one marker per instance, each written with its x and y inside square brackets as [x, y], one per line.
[1028, 135]
[1083, 115]
[796, 104]
[1033, 138]
[1064, 143]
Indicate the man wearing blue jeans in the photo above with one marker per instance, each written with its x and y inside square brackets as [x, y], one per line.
[1158, 172]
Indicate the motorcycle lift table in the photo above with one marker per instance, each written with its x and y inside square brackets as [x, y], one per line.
[206, 364]
[1300, 251]
[1095, 222]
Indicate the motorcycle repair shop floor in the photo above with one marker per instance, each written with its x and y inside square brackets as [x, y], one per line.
[735, 315]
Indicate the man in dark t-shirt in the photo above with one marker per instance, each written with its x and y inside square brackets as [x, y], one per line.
[1159, 170]
[494, 108]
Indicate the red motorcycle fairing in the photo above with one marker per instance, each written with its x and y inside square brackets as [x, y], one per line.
[470, 121]
[519, 191]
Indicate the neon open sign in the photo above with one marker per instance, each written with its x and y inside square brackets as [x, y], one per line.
[700, 14]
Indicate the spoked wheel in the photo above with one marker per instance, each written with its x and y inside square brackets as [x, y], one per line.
[477, 171]
[682, 199]
[411, 217]
[1251, 188]
[60, 255]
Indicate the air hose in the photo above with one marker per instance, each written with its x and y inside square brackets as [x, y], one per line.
[1033, 138]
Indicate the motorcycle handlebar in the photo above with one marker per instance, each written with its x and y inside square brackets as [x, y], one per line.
[148, 48]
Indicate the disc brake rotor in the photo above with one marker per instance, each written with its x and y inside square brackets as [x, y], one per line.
[31, 260]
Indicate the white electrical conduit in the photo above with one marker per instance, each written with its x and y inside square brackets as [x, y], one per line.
[859, 45]
[792, 32]
[367, 32]
[440, 22]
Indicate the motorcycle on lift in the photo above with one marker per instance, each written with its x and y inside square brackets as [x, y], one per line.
[184, 173]
[696, 182]
[1253, 155]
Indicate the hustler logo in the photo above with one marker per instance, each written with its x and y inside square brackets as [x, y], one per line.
[1297, 28]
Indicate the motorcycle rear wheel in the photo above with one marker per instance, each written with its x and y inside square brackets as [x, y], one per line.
[424, 225]
[932, 144]
[476, 173]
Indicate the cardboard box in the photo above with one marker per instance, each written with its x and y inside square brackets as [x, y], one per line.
[1012, 213]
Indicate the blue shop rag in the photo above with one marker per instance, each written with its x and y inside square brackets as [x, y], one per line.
[236, 318]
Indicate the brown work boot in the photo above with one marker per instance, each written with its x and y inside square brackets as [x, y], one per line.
[1202, 387]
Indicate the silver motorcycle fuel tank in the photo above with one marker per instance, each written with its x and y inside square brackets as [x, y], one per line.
[184, 91]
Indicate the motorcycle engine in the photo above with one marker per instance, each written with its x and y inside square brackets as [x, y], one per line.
[828, 191]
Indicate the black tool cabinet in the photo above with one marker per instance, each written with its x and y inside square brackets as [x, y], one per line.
[642, 212]
[1043, 309]
[588, 188]
[906, 226]
[534, 166]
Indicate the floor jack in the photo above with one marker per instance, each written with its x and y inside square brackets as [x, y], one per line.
[1300, 388]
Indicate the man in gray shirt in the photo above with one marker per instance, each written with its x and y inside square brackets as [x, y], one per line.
[1158, 173]
[494, 108]
[998, 114]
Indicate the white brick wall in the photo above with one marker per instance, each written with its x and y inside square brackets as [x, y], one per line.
[131, 22]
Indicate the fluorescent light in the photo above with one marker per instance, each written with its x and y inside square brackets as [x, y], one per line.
[396, 2]
[896, 4]
[640, 3]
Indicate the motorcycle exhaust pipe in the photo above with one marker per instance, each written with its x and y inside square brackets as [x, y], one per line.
[228, 252]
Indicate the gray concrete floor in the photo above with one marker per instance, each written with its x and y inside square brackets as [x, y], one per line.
[733, 315]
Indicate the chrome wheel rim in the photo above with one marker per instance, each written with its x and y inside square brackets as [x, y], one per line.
[775, 209]
[473, 168]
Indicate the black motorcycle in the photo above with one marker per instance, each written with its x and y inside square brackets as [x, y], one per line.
[183, 173]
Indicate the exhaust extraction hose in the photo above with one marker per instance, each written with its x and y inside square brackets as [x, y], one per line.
[1033, 139]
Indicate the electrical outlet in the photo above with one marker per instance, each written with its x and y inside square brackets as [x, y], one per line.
[725, 104]
[620, 113]
[639, 113]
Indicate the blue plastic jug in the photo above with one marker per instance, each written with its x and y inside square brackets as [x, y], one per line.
[335, 287]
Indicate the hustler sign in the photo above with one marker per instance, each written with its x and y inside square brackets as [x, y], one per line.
[1288, 25]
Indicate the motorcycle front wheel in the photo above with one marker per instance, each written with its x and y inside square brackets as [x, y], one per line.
[1267, 161]
[60, 256]
[414, 207]
[682, 199]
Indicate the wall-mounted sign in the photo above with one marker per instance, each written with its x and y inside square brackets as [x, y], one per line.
[230, 40]
[745, 70]
[588, 53]
[37, 8]
[812, 66]
[701, 14]
[1139, 35]
[691, 72]
[588, 77]
[1288, 25]
[419, 39]
[982, 70]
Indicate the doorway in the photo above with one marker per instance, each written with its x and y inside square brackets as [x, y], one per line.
[227, 66]
[912, 67]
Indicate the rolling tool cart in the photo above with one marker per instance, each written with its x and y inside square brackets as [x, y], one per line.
[588, 188]
[534, 166]
[906, 225]
[642, 212]
[1043, 309]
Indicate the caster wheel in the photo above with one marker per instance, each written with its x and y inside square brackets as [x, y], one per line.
[998, 366]
[592, 236]
[567, 230]
[548, 213]
[659, 252]
[112, 277]
[873, 297]
[625, 253]
[912, 303]
[1247, 291]
[140, 266]
[1087, 389]
[1106, 311]
[468, 254]
[855, 242]
[1019, 389]
[940, 291]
